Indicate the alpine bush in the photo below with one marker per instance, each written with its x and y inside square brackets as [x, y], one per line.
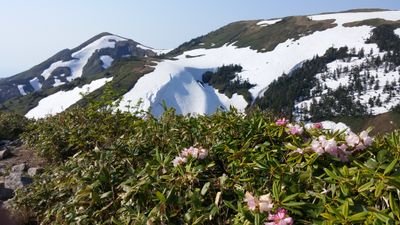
[12, 125]
[227, 168]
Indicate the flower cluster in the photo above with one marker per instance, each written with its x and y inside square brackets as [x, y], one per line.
[317, 126]
[322, 145]
[295, 129]
[359, 142]
[263, 204]
[341, 151]
[281, 122]
[191, 152]
[281, 217]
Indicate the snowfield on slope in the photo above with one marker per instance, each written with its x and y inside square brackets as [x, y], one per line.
[157, 51]
[81, 57]
[265, 23]
[175, 81]
[61, 100]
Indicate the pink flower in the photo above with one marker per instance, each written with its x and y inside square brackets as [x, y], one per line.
[317, 125]
[179, 161]
[352, 139]
[343, 147]
[265, 203]
[295, 129]
[367, 140]
[281, 122]
[252, 202]
[203, 153]
[299, 150]
[360, 147]
[322, 140]
[193, 152]
[343, 156]
[316, 147]
[190, 152]
[280, 218]
[331, 147]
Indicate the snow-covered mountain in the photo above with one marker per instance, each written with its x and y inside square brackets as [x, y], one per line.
[265, 50]
[93, 56]
[257, 48]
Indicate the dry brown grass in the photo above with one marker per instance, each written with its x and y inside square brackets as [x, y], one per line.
[372, 22]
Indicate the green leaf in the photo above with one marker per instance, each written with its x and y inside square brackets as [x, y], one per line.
[276, 189]
[205, 188]
[394, 206]
[382, 156]
[106, 195]
[293, 204]
[290, 197]
[331, 174]
[390, 167]
[229, 205]
[257, 219]
[160, 197]
[358, 216]
[382, 217]
[379, 188]
[366, 186]
[345, 209]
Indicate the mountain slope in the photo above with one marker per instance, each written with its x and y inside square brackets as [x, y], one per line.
[265, 50]
[91, 57]
[263, 54]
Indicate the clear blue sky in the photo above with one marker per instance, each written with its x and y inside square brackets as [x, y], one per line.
[33, 30]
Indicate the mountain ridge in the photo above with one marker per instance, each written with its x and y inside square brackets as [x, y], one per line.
[266, 49]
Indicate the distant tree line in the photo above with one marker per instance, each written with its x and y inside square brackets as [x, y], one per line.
[281, 94]
[227, 81]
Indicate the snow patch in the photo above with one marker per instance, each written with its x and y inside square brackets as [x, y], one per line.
[21, 89]
[157, 51]
[265, 23]
[341, 18]
[61, 100]
[35, 83]
[106, 60]
[397, 32]
[81, 57]
[57, 82]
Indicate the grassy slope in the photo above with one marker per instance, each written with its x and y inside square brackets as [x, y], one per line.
[125, 75]
[260, 38]
[381, 124]
[372, 22]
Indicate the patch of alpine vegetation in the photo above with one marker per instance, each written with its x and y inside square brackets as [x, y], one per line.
[227, 168]
[281, 94]
[258, 35]
[372, 22]
[359, 84]
[226, 80]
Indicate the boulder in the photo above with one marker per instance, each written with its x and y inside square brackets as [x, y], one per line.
[6, 193]
[20, 168]
[34, 171]
[5, 153]
[16, 180]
